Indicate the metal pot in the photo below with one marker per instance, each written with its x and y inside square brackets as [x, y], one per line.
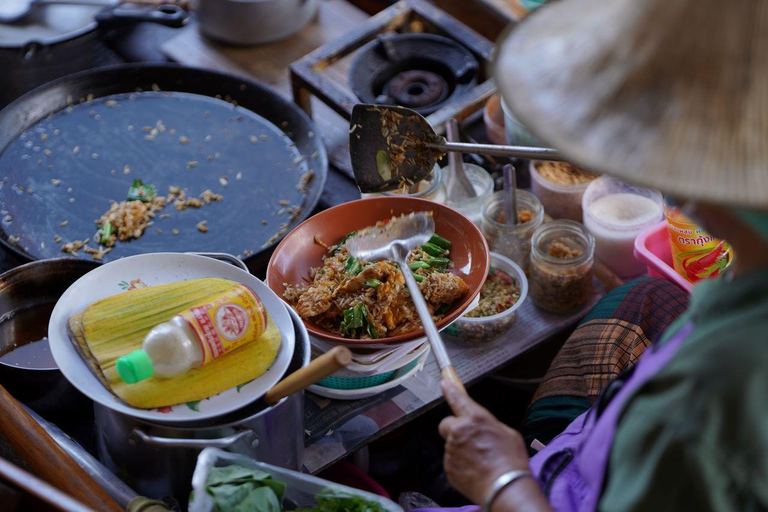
[63, 39]
[25, 294]
[158, 460]
[250, 22]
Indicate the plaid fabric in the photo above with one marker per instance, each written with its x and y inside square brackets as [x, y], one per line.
[608, 341]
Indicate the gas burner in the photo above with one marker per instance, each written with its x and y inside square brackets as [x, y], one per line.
[411, 54]
[419, 71]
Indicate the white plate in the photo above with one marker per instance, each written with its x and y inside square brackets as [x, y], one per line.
[153, 269]
[357, 394]
[402, 356]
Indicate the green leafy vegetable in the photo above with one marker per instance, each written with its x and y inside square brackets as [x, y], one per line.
[240, 489]
[382, 165]
[329, 501]
[141, 192]
[372, 283]
[440, 241]
[106, 232]
[353, 266]
[356, 318]
[343, 241]
[418, 278]
[436, 261]
[416, 265]
[432, 249]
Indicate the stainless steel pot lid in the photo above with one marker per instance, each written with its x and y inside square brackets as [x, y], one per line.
[49, 24]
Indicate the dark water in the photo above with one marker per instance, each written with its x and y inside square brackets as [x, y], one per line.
[24, 336]
[206, 144]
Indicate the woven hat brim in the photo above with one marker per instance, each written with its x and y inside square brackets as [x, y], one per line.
[670, 95]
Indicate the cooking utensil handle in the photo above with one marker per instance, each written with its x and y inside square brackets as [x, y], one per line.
[170, 442]
[449, 374]
[435, 341]
[526, 152]
[112, 485]
[46, 458]
[223, 256]
[454, 160]
[330, 362]
[168, 15]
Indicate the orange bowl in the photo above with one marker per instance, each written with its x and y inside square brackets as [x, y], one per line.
[298, 252]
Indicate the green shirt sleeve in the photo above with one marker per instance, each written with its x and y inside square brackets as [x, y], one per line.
[695, 437]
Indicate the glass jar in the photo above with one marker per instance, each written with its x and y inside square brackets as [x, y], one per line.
[616, 212]
[481, 181]
[512, 240]
[431, 188]
[562, 262]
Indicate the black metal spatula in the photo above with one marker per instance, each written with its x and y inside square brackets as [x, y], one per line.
[395, 146]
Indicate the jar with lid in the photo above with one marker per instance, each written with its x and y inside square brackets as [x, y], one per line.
[481, 181]
[616, 212]
[505, 238]
[431, 188]
[562, 266]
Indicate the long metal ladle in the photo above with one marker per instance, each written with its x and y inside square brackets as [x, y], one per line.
[376, 129]
[394, 241]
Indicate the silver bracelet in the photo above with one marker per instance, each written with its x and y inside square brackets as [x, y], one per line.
[501, 483]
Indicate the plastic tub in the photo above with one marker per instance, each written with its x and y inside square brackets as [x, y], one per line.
[517, 134]
[493, 117]
[652, 248]
[488, 328]
[300, 489]
[560, 201]
[616, 212]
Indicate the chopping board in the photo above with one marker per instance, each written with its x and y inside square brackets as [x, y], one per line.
[269, 63]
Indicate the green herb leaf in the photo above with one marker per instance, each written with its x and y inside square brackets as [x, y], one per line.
[330, 501]
[353, 266]
[382, 165]
[106, 232]
[141, 192]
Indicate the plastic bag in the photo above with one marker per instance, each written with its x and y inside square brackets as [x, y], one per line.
[696, 254]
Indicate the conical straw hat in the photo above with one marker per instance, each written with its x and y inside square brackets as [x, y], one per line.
[667, 94]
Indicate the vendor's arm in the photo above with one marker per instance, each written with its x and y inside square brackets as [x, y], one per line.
[479, 449]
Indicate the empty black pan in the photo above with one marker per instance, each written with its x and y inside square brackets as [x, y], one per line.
[69, 147]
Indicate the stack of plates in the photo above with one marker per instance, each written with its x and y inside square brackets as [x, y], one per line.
[371, 371]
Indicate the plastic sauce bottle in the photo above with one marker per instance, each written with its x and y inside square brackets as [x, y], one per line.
[197, 336]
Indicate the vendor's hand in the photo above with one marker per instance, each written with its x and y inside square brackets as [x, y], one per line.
[478, 447]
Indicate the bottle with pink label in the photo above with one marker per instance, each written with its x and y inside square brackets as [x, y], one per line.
[197, 336]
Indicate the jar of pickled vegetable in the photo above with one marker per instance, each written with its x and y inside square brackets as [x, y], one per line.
[561, 268]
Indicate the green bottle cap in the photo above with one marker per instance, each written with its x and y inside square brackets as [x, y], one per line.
[135, 367]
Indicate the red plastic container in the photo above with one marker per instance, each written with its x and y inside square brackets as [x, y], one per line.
[652, 248]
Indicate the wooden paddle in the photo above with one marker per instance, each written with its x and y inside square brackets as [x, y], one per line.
[46, 458]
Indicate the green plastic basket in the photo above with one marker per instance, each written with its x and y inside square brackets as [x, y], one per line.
[364, 381]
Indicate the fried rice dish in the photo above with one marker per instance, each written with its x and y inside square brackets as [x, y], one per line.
[370, 300]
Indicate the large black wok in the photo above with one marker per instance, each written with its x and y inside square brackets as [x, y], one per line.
[262, 147]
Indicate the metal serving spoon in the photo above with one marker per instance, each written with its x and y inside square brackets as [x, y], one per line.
[376, 129]
[394, 241]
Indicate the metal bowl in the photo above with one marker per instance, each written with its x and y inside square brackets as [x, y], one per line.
[250, 22]
[27, 296]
